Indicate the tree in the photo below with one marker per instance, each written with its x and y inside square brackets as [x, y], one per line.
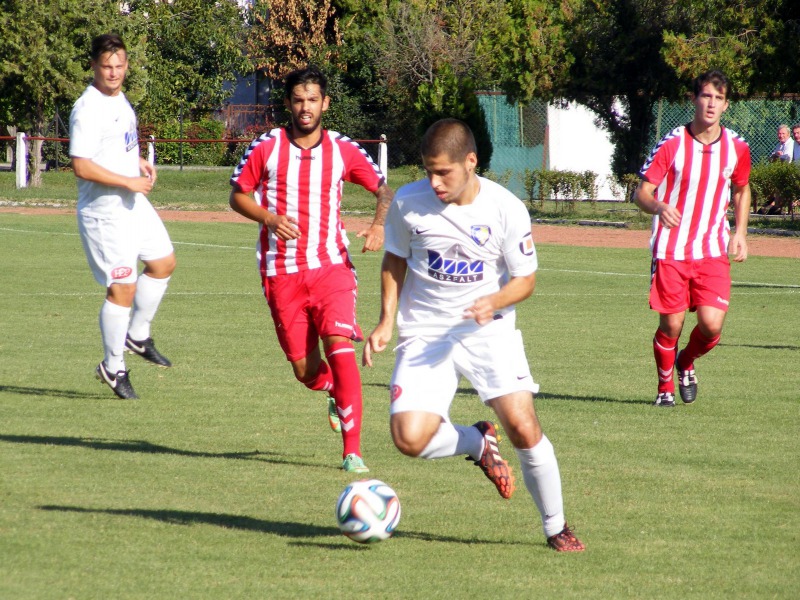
[193, 48]
[44, 51]
[289, 34]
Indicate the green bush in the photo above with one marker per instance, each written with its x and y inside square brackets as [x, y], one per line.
[564, 187]
[775, 181]
[192, 153]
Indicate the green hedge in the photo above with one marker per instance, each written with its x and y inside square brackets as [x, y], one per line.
[775, 181]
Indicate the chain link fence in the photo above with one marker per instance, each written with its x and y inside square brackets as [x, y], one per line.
[756, 120]
[526, 138]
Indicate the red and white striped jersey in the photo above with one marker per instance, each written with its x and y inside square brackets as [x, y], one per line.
[696, 179]
[307, 185]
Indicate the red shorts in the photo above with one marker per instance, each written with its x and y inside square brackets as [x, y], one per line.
[680, 284]
[313, 304]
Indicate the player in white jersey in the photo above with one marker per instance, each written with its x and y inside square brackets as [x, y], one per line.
[117, 223]
[687, 185]
[459, 255]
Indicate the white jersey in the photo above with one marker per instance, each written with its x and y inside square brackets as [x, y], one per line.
[456, 254]
[103, 129]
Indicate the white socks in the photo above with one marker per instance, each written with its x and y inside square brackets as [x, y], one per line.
[113, 328]
[149, 292]
[543, 480]
[453, 440]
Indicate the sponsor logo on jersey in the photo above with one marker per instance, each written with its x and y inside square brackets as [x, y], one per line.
[131, 138]
[121, 272]
[396, 391]
[526, 245]
[480, 234]
[420, 230]
[450, 266]
[301, 157]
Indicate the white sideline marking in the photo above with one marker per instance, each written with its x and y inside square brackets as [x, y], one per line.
[380, 254]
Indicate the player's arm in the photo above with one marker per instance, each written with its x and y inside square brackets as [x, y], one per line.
[515, 290]
[393, 274]
[373, 235]
[741, 214]
[285, 227]
[645, 198]
[86, 168]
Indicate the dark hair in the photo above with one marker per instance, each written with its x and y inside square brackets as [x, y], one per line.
[715, 78]
[451, 137]
[310, 74]
[107, 42]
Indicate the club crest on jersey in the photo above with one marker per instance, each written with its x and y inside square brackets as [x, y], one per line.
[727, 172]
[450, 266]
[526, 245]
[480, 234]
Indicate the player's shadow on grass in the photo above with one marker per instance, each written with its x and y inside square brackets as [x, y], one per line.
[53, 393]
[572, 397]
[545, 396]
[743, 284]
[288, 529]
[143, 447]
[761, 346]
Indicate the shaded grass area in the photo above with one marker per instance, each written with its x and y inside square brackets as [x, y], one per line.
[221, 482]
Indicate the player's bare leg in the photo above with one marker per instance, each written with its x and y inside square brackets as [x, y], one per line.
[539, 466]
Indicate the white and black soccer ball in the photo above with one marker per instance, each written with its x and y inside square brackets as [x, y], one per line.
[368, 511]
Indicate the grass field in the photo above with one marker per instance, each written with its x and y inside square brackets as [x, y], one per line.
[221, 481]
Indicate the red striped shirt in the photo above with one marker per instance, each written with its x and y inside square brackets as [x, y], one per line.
[696, 179]
[305, 184]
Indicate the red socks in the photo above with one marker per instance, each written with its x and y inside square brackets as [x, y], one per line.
[323, 380]
[698, 346]
[347, 393]
[664, 349]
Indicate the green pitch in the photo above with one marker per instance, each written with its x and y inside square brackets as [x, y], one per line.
[221, 481]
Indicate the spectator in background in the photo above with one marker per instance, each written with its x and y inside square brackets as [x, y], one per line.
[784, 149]
[796, 136]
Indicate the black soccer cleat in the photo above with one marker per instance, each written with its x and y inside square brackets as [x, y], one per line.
[687, 382]
[666, 399]
[147, 350]
[120, 383]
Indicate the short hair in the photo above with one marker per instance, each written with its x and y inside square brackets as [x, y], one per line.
[107, 42]
[309, 74]
[783, 126]
[715, 78]
[451, 137]
[795, 126]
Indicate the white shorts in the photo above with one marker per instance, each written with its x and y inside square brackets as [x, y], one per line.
[113, 245]
[427, 370]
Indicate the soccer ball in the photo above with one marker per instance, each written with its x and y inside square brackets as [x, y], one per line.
[368, 511]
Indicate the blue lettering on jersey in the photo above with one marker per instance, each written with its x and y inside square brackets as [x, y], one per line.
[131, 139]
[452, 268]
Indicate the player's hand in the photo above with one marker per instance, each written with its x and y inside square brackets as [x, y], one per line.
[147, 170]
[376, 342]
[284, 226]
[141, 185]
[669, 215]
[373, 238]
[482, 311]
[737, 248]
